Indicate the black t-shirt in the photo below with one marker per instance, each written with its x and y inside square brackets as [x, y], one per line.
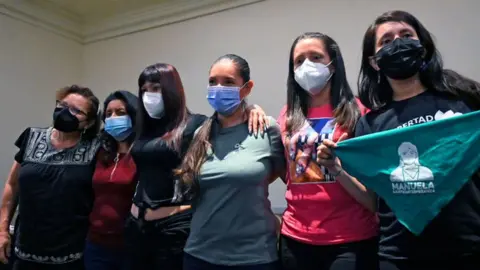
[156, 161]
[456, 230]
[55, 197]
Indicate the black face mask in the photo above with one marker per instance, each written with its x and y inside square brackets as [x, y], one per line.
[401, 59]
[64, 120]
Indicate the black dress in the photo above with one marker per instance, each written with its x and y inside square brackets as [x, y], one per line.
[55, 200]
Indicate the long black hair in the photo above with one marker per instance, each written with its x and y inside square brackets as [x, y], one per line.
[342, 99]
[175, 117]
[375, 90]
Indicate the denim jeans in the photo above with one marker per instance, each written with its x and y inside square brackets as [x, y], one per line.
[98, 257]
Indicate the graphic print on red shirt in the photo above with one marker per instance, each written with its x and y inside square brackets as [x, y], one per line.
[319, 209]
[314, 173]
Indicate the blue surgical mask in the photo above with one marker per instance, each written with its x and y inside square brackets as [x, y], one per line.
[224, 99]
[119, 127]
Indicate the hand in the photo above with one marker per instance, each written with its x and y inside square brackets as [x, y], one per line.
[305, 139]
[4, 247]
[257, 120]
[326, 157]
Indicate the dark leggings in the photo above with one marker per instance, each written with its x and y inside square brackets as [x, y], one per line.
[192, 263]
[158, 244]
[361, 255]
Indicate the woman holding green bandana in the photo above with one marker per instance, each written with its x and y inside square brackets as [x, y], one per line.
[403, 82]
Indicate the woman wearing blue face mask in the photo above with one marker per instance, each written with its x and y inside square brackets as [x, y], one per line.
[160, 219]
[228, 171]
[114, 185]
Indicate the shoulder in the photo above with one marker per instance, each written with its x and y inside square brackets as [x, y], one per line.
[273, 129]
[363, 110]
[28, 132]
[194, 121]
[282, 118]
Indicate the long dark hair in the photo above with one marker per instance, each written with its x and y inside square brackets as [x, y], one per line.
[93, 113]
[342, 99]
[375, 90]
[197, 152]
[175, 115]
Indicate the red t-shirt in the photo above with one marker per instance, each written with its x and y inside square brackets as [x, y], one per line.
[114, 185]
[319, 210]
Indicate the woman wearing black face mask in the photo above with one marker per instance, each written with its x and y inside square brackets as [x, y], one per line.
[52, 177]
[403, 82]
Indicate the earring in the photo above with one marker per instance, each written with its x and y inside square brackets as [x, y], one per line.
[379, 78]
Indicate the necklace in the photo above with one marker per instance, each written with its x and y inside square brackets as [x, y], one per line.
[411, 177]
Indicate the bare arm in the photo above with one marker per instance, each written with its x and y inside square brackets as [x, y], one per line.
[358, 191]
[9, 198]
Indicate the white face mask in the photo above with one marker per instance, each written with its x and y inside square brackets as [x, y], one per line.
[153, 103]
[313, 77]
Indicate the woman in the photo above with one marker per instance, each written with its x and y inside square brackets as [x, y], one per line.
[329, 222]
[113, 184]
[402, 80]
[233, 226]
[52, 175]
[160, 221]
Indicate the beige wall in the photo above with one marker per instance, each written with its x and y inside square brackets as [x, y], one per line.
[33, 64]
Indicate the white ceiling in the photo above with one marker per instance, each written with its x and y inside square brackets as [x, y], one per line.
[98, 9]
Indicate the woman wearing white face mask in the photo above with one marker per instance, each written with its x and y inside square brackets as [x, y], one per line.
[160, 220]
[330, 220]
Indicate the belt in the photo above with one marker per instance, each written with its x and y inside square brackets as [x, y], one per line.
[155, 214]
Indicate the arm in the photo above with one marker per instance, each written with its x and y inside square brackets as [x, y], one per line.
[277, 151]
[356, 189]
[9, 198]
[7, 210]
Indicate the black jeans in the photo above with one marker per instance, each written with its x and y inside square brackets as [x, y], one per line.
[26, 265]
[157, 244]
[193, 263]
[361, 255]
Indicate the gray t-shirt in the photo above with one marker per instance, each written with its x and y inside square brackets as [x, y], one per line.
[233, 223]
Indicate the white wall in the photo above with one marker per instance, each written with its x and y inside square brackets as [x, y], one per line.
[263, 33]
[33, 64]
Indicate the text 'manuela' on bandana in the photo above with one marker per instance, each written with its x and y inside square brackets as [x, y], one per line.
[417, 170]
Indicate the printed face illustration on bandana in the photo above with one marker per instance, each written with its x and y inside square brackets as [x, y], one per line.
[419, 169]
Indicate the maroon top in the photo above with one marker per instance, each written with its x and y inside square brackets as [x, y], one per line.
[114, 185]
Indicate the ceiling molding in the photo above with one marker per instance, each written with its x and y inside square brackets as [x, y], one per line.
[49, 18]
[72, 26]
[152, 17]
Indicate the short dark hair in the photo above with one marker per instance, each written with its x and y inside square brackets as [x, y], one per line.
[92, 114]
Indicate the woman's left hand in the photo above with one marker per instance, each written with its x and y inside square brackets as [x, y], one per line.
[257, 120]
[327, 158]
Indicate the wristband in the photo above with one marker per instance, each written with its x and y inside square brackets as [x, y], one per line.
[338, 173]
